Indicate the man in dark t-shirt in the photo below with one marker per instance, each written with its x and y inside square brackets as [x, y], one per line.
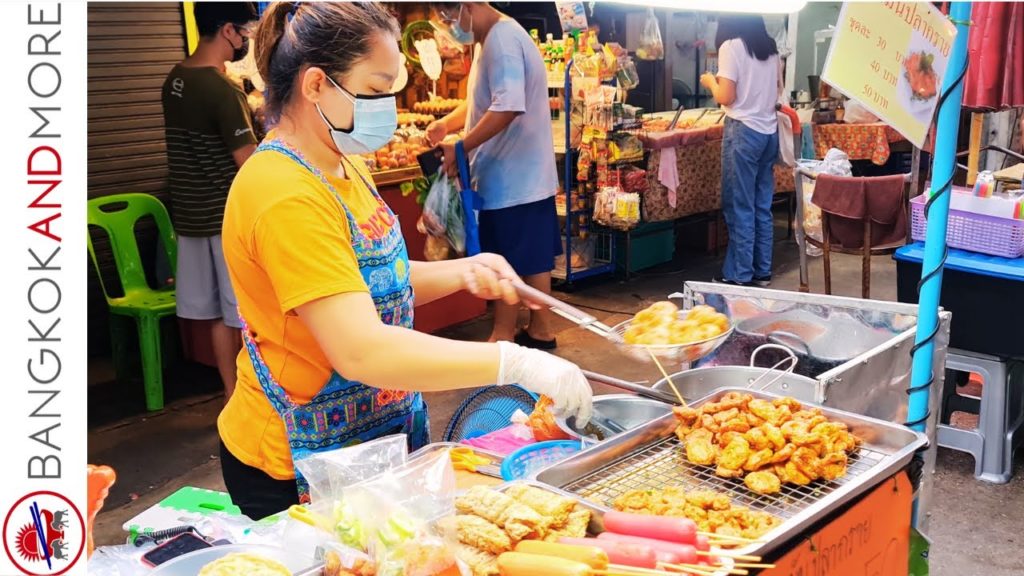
[209, 134]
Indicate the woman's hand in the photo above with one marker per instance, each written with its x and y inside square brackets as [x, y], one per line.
[436, 132]
[489, 277]
[708, 81]
[548, 375]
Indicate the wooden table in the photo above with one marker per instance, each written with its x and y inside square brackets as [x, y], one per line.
[859, 141]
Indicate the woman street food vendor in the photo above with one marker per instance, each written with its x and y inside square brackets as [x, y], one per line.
[325, 287]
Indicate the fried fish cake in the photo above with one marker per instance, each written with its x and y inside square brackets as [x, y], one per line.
[763, 482]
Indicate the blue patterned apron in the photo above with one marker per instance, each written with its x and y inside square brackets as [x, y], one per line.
[345, 412]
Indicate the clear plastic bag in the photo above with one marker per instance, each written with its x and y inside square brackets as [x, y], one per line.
[837, 163]
[329, 473]
[651, 46]
[442, 213]
[572, 15]
[397, 508]
[339, 559]
[616, 209]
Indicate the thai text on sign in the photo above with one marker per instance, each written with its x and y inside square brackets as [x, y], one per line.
[891, 57]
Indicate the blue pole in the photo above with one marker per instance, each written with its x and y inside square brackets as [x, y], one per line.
[943, 164]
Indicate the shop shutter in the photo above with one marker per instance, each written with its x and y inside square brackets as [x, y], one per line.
[131, 48]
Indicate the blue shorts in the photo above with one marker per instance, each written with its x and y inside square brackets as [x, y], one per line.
[526, 235]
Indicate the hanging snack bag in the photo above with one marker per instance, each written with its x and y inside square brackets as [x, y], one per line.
[573, 16]
[651, 46]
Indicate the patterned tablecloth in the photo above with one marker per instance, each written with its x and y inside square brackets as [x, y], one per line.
[700, 182]
[859, 141]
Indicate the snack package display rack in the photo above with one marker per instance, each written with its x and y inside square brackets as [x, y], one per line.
[587, 251]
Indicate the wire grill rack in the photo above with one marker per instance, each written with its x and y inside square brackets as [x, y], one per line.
[663, 463]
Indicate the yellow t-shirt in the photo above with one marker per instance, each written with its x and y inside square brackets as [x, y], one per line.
[287, 242]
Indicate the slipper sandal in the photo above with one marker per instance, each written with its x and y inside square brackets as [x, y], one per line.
[524, 339]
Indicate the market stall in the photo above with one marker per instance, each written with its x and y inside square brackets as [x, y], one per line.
[732, 469]
[695, 168]
[514, 479]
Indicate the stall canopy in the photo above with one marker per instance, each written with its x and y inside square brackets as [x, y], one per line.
[995, 78]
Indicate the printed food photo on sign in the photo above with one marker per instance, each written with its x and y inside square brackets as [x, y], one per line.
[918, 83]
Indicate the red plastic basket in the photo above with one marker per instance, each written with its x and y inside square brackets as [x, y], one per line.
[975, 232]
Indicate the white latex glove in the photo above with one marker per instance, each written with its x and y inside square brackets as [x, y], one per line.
[548, 375]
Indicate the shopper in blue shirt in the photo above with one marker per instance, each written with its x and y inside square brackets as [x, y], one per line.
[512, 157]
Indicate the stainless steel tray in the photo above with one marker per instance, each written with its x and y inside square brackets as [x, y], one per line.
[492, 470]
[651, 457]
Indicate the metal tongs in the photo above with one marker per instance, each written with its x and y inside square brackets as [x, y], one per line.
[567, 311]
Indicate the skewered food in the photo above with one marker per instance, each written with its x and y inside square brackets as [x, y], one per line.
[621, 553]
[491, 522]
[745, 436]
[522, 564]
[480, 534]
[661, 324]
[519, 520]
[480, 563]
[711, 511]
[590, 555]
[552, 506]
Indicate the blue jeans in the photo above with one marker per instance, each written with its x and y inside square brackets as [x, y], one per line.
[748, 185]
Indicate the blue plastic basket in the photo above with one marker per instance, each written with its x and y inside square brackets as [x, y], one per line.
[487, 410]
[529, 459]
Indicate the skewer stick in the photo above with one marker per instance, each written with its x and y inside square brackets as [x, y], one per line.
[717, 536]
[751, 565]
[666, 375]
[635, 570]
[728, 554]
[691, 569]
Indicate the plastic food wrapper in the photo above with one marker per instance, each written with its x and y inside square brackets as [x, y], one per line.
[397, 507]
[340, 560]
[616, 209]
[634, 180]
[507, 440]
[837, 163]
[572, 15]
[985, 184]
[329, 473]
[443, 214]
[651, 46]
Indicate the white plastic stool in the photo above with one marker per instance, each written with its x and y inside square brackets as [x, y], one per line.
[1000, 419]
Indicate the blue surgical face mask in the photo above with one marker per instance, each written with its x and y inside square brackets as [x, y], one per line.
[462, 36]
[374, 120]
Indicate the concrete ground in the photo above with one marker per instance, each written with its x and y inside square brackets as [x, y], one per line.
[975, 527]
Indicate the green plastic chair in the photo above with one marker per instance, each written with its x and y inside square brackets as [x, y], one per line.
[117, 215]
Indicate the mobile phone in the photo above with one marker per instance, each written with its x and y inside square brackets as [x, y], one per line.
[430, 161]
[173, 548]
